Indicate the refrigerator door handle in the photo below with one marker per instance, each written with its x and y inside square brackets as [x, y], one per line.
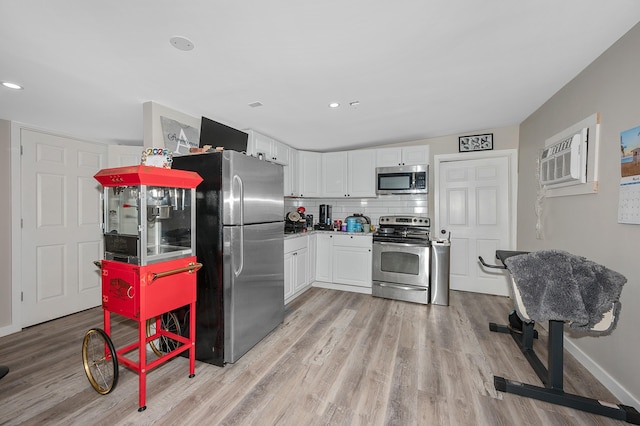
[237, 181]
[240, 266]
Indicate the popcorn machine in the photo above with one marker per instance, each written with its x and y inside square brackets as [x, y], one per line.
[148, 270]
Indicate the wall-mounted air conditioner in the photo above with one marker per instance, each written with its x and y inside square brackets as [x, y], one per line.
[564, 162]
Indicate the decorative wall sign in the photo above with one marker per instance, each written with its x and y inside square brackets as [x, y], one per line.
[475, 143]
[178, 137]
[157, 157]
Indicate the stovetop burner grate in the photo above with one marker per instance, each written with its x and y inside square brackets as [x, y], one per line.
[407, 229]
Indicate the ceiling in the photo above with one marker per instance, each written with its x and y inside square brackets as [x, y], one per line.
[418, 68]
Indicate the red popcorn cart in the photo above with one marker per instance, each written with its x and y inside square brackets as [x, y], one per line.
[148, 271]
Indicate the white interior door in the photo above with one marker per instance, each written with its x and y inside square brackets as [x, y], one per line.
[61, 235]
[124, 155]
[474, 205]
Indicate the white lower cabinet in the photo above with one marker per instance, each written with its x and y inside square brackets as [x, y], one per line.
[296, 267]
[344, 259]
[313, 250]
[352, 260]
[324, 257]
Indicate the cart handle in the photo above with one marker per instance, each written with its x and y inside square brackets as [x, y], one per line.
[191, 269]
[490, 266]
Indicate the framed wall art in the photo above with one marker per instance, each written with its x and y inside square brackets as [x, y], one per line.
[475, 143]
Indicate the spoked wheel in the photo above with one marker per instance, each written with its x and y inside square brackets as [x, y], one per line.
[163, 344]
[100, 361]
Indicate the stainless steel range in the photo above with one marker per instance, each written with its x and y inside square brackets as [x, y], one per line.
[404, 261]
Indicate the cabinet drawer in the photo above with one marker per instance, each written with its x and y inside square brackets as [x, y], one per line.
[295, 243]
[352, 240]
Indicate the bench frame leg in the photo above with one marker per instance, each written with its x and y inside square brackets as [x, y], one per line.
[552, 377]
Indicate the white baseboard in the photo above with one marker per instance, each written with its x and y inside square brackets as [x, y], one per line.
[599, 373]
[343, 287]
[10, 329]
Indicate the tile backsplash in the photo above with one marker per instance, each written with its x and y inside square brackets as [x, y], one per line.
[371, 207]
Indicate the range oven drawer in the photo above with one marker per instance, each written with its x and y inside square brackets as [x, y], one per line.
[407, 293]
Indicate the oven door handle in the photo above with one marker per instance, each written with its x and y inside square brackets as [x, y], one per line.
[384, 243]
[402, 287]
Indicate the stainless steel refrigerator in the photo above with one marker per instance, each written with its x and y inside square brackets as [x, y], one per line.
[239, 241]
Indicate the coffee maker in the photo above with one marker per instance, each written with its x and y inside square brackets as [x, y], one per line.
[325, 221]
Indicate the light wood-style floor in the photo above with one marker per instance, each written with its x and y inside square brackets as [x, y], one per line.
[339, 358]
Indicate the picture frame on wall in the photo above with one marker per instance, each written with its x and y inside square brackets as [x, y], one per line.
[475, 143]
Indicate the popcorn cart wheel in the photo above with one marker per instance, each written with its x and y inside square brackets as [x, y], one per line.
[164, 344]
[100, 361]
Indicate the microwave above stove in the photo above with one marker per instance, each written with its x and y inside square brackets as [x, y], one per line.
[402, 180]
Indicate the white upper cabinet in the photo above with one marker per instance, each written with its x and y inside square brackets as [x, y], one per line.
[405, 156]
[271, 149]
[291, 181]
[310, 174]
[361, 173]
[334, 174]
[348, 174]
[280, 153]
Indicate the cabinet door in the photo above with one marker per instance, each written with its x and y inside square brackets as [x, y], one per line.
[324, 258]
[352, 265]
[288, 275]
[259, 144]
[415, 155]
[301, 262]
[313, 250]
[334, 174]
[280, 152]
[361, 170]
[388, 157]
[310, 173]
[290, 171]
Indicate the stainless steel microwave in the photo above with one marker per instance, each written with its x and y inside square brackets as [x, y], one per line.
[402, 180]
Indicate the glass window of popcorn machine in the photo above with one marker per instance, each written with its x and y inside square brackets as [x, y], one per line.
[154, 217]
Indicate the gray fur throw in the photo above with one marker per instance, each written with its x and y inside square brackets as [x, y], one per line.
[556, 285]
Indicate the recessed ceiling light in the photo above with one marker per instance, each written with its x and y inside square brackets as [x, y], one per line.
[334, 105]
[354, 103]
[181, 43]
[11, 85]
[255, 104]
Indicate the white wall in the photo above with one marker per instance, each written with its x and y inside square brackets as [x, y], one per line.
[587, 225]
[5, 224]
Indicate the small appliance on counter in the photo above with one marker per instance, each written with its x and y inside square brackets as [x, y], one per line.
[325, 223]
[295, 222]
[358, 223]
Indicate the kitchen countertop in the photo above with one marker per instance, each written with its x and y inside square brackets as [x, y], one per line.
[302, 234]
